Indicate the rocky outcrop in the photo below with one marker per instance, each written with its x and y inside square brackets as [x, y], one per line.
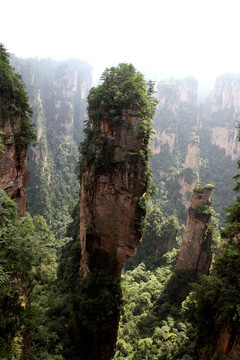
[160, 139]
[57, 92]
[226, 346]
[226, 138]
[189, 90]
[225, 108]
[110, 213]
[226, 93]
[187, 182]
[175, 124]
[228, 343]
[114, 188]
[195, 252]
[13, 161]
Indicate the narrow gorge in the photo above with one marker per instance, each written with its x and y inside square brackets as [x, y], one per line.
[119, 254]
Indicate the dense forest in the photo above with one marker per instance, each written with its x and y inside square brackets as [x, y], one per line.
[48, 308]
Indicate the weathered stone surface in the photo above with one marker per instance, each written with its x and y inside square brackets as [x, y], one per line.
[195, 252]
[227, 345]
[226, 138]
[174, 101]
[189, 90]
[226, 97]
[160, 139]
[13, 163]
[190, 163]
[110, 197]
[112, 185]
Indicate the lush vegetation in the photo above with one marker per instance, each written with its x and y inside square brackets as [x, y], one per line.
[13, 89]
[26, 259]
[217, 297]
[153, 325]
[47, 311]
[123, 88]
[57, 92]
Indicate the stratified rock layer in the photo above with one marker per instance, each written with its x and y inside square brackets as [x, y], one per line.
[13, 162]
[195, 252]
[110, 192]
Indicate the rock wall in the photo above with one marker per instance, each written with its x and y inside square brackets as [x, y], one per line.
[13, 162]
[109, 210]
[57, 92]
[113, 186]
[175, 123]
[190, 163]
[195, 252]
[225, 108]
[227, 345]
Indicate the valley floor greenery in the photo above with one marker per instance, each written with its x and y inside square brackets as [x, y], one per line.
[41, 294]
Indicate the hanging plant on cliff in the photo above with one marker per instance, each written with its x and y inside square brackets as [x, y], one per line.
[122, 88]
[13, 89]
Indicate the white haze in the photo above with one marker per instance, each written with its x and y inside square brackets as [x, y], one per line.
[160, 37]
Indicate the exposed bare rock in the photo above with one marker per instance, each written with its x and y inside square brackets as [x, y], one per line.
[226, 138]
[226, 347]
[189, 89]
[162, 138]
[13, 162]
[195, 252]
[190, 163]
[226, 93]
[192, 155]
[226, 112]
[114, 187]
[110, 210]
[229, 341]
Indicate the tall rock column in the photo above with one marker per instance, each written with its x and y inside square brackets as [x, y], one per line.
[114, 187]
[113, 182]
[195, 252]
[13, 161]
[16, 132]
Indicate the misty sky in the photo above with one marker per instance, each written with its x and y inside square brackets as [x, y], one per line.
[173, 37]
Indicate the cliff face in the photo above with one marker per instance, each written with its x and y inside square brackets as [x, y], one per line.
[228, 343]
[195, 252]
[57, 92]
[113, 181]
[114, 187]
[225, 108]
[13, 162]
[110, 211]
[187, 184]
[175, 124]
[196, 143]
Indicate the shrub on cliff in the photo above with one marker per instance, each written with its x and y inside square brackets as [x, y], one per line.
[13, 89]
[122, 88]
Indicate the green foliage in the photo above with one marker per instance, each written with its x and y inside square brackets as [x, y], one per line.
[152, 325]
[122, 88]
[4, 55]
[22, 250]
[217, 297]
[215, 167]
[13, 89]
[56, 92]
[233, 212]
[223, 117]
[160, 233]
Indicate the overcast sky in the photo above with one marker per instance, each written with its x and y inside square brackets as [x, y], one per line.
[174, 37]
